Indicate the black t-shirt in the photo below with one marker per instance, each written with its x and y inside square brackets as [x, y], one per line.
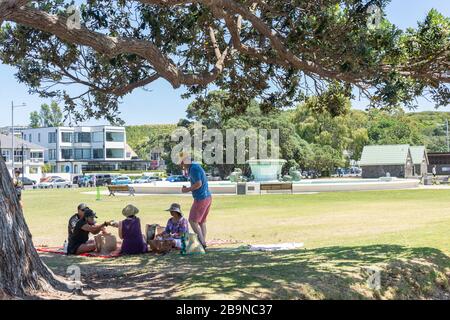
[72, 223]
[79, 236]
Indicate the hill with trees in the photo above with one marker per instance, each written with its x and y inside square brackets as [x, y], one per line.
[311, 137]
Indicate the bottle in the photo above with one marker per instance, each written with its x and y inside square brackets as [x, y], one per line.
[65, 247]
[183, 243]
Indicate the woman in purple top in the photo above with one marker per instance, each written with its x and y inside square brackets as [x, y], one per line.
[130, 232]
[176, 226]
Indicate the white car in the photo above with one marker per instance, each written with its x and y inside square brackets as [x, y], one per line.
[55, 183]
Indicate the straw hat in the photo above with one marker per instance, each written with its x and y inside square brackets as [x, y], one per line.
[130, 210]
[185, 157]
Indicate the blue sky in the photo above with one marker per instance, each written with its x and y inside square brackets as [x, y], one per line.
[163, 104]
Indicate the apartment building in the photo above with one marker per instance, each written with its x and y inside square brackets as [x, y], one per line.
[76, 150]
[28, 157]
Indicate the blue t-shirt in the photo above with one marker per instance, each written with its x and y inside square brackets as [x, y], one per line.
[196, 173]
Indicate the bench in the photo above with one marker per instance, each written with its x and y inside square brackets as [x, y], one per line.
[445, 180]
[276, 186]
[113, 189]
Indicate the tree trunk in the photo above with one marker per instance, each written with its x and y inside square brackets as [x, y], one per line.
[21, 270]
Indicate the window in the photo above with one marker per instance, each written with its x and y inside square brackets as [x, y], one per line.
[52, 137]
[98, 154]
[18, 156]
[66, 153]
[83, 137]
[97, 136]
[39, 137]
[51, 154]
[114, 153]
[82, 154]
[5, 155]
[115, 137]
[36, 155]
[30, 138]
[155, 156]
[67, 137]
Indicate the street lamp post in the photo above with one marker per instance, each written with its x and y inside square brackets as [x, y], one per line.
[12, 132]
[448, 138]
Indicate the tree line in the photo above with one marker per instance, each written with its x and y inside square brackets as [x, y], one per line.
[311, 136]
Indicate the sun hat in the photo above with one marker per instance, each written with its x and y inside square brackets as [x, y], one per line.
[130, 210]
[175, 207]
[185, 157]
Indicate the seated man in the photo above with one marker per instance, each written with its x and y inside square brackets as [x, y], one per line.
[79, 241]
[75, 218]
[176, 226]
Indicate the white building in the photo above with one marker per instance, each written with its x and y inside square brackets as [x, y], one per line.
[28, 157]
[85, 148]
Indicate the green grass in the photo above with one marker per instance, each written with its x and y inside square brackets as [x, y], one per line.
[405, 233]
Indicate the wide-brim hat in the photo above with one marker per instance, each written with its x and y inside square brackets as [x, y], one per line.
[184, 157]
[130, 210]
[175, 207]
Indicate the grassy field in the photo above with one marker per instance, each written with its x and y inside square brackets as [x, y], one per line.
[403, 233]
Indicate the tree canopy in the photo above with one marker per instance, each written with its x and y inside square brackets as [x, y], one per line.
[48, 116]
[278, 52]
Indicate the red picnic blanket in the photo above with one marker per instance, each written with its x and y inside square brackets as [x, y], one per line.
[60, 250]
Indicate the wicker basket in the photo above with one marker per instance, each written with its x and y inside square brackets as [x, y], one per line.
[160, 246]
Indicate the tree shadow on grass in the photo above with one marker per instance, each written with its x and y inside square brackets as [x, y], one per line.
[323, 273]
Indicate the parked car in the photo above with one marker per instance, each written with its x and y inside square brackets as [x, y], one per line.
[210, 177]
[102, 179]
[27, 181]
[177, 178]
[49, 178]
[55, 183]
[75, 179]
[121, 180]
[85, 181]
[147, 179]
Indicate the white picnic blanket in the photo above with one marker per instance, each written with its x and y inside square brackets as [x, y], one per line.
[277, 247]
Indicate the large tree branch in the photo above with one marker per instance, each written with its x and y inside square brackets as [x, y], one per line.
[113, 46]
[227, 9]
[7, 6]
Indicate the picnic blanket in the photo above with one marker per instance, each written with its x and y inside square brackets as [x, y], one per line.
[219, 242]
[277, 247]
[266, 247]
[60, 251]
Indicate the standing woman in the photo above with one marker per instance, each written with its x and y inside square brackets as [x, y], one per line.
[18, 186]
